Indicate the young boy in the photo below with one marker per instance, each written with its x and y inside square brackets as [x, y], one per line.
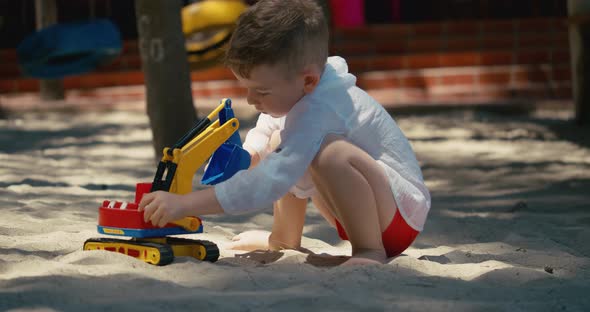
[318, 136]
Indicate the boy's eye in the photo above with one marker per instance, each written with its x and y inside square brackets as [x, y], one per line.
[263, 93]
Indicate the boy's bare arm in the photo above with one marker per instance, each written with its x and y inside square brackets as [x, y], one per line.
[289, 218]
[203, 202]
[161, 207]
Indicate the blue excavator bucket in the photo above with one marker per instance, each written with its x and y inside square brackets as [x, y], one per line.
[229, 158]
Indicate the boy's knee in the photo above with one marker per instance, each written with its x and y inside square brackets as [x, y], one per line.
[332, 154]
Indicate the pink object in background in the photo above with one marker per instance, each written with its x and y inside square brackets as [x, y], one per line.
[348, 13]
[395, 8]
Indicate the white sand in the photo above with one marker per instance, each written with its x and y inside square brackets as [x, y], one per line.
[510, 202]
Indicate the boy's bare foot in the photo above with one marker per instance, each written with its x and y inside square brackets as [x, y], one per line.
[366, 256]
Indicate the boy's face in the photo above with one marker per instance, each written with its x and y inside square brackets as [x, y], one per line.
[270, 92]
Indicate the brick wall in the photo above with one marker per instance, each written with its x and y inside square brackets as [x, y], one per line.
[405, 63]
[453, 61]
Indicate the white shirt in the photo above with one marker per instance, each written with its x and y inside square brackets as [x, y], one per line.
[336, 106]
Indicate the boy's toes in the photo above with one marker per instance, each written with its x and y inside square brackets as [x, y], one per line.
[360, 261]
[366, 256]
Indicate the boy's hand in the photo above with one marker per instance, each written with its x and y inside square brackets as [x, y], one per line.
[250, 241]
[161, 207]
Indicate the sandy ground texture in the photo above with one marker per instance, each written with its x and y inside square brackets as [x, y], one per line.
[508, 230]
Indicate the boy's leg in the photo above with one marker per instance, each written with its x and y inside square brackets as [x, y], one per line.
[357, 192]
[288, 221]
[320, 203]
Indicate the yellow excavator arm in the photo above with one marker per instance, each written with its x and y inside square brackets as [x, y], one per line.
[180, 162]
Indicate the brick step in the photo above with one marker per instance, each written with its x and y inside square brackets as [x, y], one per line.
[120, 98]
[129, 65]
[507, 42]
[469, 84]
[110, 77]
[133, 98]
[128, 60]
[121, 63]
[396, 86]
[524, 45]
[470, 28]
[107, 79]
[473, 76]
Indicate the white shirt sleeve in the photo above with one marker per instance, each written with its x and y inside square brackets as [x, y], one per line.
[259, 187]
[258, 137]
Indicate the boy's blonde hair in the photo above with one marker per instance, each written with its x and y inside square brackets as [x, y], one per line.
[292, 33]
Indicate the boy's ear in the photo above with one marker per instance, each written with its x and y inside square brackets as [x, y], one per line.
[311, 79]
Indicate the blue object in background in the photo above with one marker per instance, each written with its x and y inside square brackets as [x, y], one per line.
[68, 49]
[230, 157]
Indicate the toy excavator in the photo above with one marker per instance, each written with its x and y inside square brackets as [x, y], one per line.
[218, 140]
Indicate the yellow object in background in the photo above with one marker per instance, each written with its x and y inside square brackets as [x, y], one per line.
[207, 27]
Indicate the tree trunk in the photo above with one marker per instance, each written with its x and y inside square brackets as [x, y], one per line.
[165, 66]
[579, 12]
[46, 15]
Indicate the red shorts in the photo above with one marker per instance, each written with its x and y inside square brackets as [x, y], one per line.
[397, 237]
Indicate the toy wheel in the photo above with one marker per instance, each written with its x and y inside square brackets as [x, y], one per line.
[208, 251]
[153, 253]
[198, 249]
